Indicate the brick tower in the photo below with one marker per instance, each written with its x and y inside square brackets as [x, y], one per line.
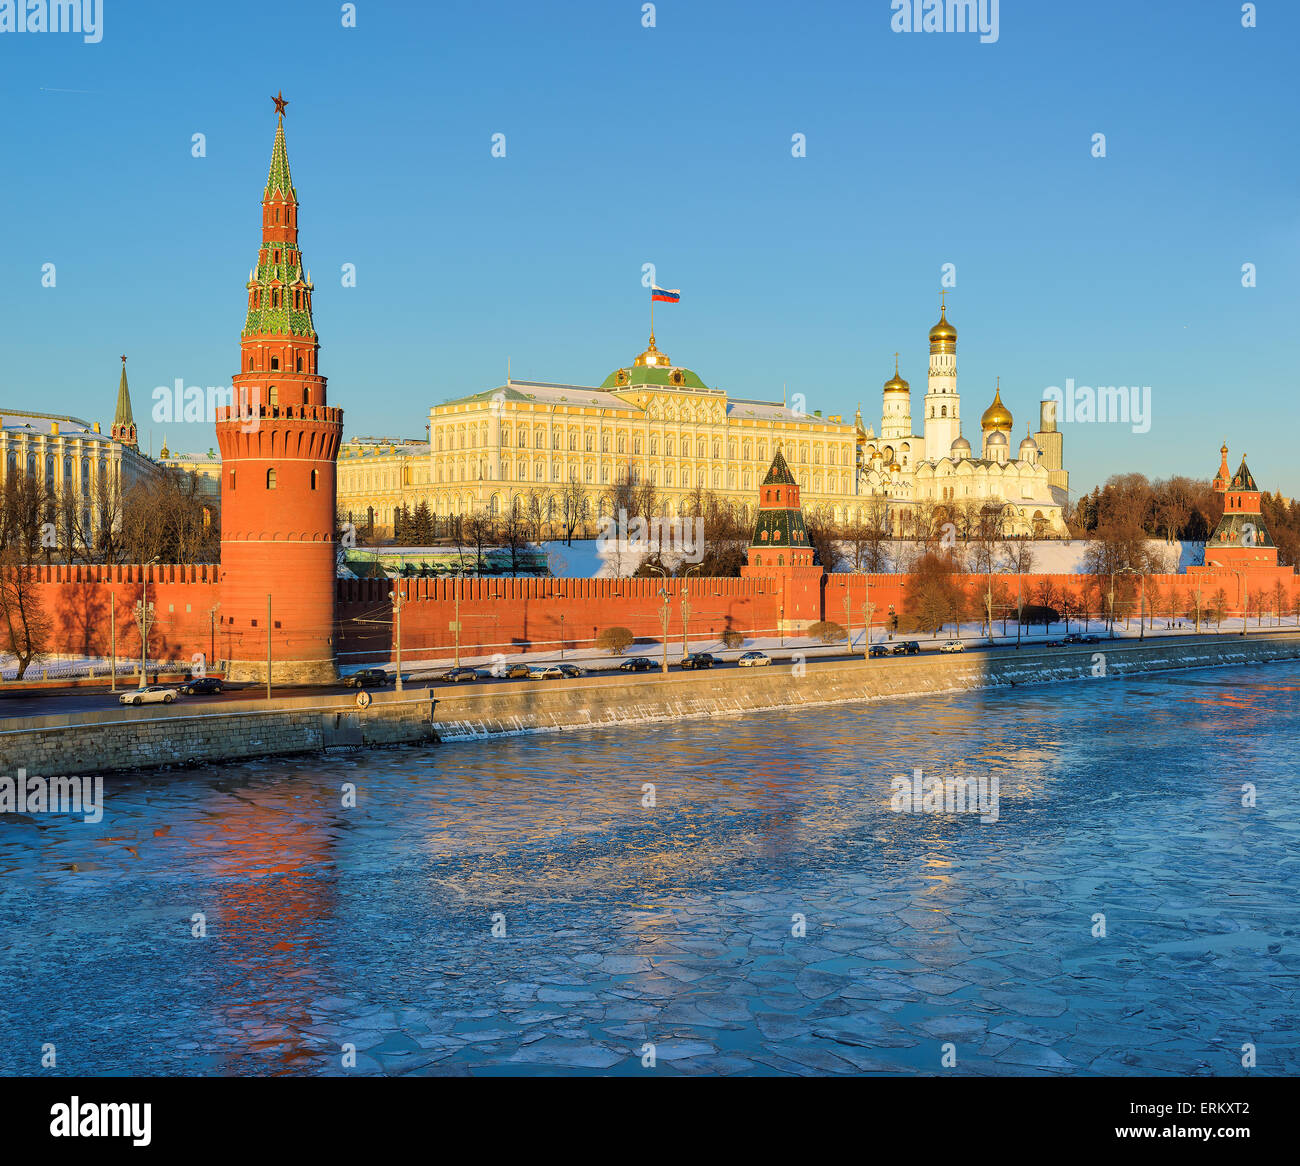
[1241, 540]
[279, 446]
[780, 549]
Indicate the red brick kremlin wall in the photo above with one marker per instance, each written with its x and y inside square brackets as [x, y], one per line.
[79, 601]
[516, 615]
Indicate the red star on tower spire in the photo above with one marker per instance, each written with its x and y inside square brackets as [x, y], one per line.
[280, 103]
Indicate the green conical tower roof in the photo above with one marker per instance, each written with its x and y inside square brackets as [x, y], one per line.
[279, 178]
[123, 417]
[779, 524]
[778, 473]
[280, 286]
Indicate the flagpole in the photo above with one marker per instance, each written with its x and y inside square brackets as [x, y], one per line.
[652, 313]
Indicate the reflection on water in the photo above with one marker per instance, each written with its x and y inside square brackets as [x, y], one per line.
[678, 924]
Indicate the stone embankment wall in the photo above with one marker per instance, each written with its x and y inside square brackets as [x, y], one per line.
[467, 711]
[152, 736]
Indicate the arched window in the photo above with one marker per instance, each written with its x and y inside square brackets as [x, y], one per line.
[313, 478]
[232, 479]
[300, 364]
[273, 394]
[270, 478]
[275, 363]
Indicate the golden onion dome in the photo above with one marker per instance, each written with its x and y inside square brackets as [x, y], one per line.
[896, 384]
[943, 333]
[997, 415]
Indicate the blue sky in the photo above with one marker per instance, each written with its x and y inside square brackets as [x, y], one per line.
[671, 145]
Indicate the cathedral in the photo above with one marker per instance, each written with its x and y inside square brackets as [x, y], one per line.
[935, 475]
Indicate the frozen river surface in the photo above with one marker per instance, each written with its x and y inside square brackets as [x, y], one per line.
[770, 913]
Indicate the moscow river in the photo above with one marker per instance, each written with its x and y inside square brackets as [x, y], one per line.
[517, 905]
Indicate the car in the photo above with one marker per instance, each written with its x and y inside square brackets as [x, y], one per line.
[515, 672]
[697, 660]
[368, 678]
[953, 646]
[557, 672]
[154, 694]
[1072, 638]
[460, 673]
[754, 660]
[1055, 643]
[908, 648]
[880, 650]
[201, 685]
[638, 664]
[1089, 639]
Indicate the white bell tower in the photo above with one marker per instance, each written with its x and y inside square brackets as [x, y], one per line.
[942, 405]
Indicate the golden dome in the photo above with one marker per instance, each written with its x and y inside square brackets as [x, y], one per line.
[652, 357]
[997, 415]
[943, 335]
[896, 384]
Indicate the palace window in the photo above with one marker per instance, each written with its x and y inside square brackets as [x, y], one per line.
[636, 445]
[270, 478]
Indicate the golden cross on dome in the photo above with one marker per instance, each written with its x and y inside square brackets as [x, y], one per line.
[895, 364]
[943, 302]
[280, 103]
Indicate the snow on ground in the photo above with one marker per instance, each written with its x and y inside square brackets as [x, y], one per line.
[582, 560]
[430, 664]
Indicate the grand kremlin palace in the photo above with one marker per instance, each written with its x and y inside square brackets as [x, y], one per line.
[657, 423]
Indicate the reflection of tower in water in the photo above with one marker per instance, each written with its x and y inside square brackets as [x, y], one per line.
[274, 881]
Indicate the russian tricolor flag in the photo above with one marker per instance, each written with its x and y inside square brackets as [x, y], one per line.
[664, 296]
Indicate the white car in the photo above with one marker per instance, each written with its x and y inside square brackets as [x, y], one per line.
[754, 660]
[154, 694]
[953, 646]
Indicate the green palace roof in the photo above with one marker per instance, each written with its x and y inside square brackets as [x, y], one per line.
[669, 378]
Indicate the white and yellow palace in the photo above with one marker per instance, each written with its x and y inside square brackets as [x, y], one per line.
[655, 423]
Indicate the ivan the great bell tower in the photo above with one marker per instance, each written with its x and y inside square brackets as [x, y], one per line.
[279, 447]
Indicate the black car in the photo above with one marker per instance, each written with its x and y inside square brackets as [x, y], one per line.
[459, 673]
[637, 664]
[698, 660]
[879, 650]
[1089, 639]
[368, 678]
[909, 648]
[201, 685]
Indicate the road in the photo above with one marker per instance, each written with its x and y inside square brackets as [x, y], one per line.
[55, 701]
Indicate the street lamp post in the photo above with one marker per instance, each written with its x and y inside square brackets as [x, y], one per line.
[686, 609]
[455, 582]
[667, 598]
[666, 614]
[1245, 600]
[398, 602]
[1143, 610]
[144, 618]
